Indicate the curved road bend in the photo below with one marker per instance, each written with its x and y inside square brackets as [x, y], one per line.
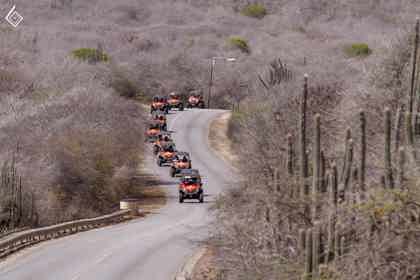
[153, 248]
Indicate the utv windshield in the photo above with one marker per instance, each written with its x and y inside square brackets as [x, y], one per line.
[189, 181]
[154, 126]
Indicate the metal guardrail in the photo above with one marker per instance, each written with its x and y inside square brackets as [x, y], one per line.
[10, 232]
[26, 238]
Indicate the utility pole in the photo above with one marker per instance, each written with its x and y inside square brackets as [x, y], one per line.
[212, 64]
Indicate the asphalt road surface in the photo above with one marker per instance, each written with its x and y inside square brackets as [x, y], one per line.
[151, 248]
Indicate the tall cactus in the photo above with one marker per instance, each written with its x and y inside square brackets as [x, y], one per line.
[389, 182]
[331, 238]
[322, 173]
[413, 70]
[308, 255]
[409, 136]
[343, 245]
[303, 157]
[316, 164]
[337, 247]
[316, 244]
[401, 167]
[334, 184]
[398, 124]
[302, 241]
[346, 151]
[348, 165]
[290, 155]
[276, 179]
[11, 186]
[362, 156]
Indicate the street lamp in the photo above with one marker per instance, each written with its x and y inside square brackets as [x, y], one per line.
[212, 64]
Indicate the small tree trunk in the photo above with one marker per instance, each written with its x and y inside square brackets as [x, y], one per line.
[316, 165]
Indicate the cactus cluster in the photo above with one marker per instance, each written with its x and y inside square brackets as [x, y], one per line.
[277, 73]
[323, 241]
[12, 213]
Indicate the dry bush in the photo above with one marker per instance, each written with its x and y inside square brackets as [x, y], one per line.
[123, 85]
[84, 158]
[385, 245]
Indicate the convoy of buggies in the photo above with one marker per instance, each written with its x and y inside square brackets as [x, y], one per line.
[190, 185]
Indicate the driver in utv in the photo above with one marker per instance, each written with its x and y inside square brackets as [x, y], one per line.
[190, 187]
[180, 162]
[166, 154]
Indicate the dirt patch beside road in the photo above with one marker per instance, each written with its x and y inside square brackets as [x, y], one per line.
[147, 188]
[205, 269]
[219, 140]
[152, 199]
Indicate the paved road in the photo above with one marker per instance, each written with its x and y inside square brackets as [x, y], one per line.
[153, 248]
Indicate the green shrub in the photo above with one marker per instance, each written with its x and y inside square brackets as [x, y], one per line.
[254, 10]
[240, 43]
[360, 50]
[90, 55]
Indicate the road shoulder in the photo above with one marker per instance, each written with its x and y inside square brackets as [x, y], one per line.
[219, 141]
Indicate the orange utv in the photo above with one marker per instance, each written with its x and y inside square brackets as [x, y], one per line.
[180, 162]
[175, 101]
[163, 139]
[195, 101]
[153, 129]
[190, 186]
[166, 154]
[159, 104]
[160, 117]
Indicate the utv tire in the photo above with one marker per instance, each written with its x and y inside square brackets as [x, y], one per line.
[181, 198]
[189, 106]
[201, 105]
[172, 172]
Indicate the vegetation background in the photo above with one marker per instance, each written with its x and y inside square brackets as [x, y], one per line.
[70, 72]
